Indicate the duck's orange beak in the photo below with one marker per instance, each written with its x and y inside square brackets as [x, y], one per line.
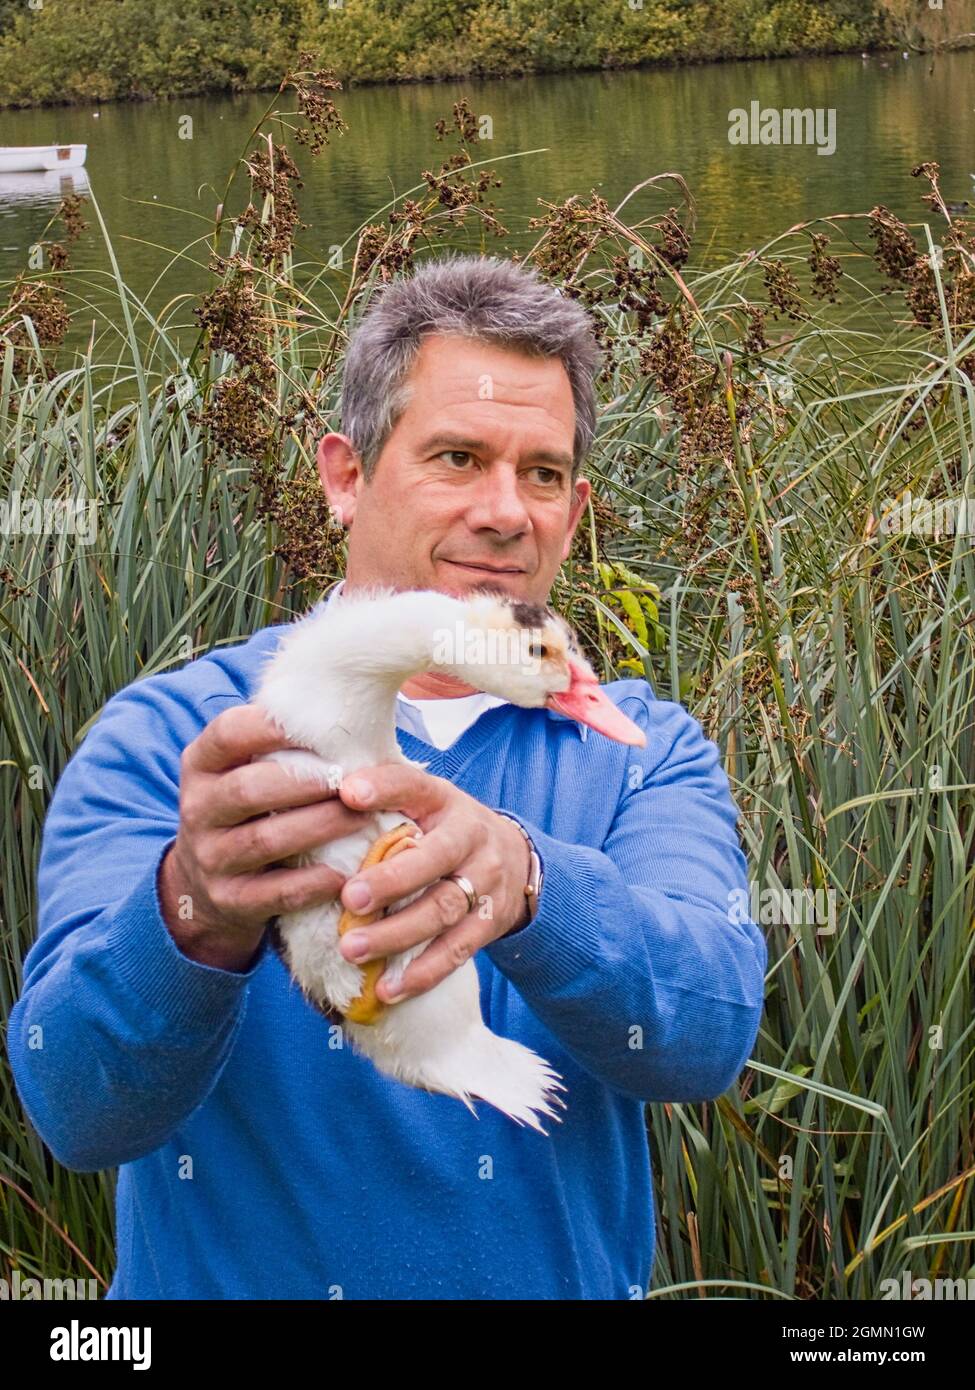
[589, 704]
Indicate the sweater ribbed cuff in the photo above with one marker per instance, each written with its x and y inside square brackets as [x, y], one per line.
[186, 992]
[562, 940]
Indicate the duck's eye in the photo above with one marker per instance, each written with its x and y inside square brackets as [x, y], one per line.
[539, 650]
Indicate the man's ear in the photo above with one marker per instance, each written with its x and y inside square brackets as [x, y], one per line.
[581, 490]
[340, 471]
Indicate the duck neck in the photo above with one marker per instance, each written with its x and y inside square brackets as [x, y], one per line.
[435, 685]
[351, 667]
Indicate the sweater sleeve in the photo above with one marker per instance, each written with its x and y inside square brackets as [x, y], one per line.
[638, 959]
[117, 1036]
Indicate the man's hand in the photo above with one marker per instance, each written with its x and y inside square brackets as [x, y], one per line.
[215, 888]
[459, 836]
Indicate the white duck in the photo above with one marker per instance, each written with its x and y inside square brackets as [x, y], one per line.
[331, 684]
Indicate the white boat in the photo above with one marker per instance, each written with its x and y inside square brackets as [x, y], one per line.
[27, 159]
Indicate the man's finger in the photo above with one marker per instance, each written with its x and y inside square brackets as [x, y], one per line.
[443, 906]
[233, 738]
[437, 854]
[270, 839]
[279, 891]
[240, 793]
[445, 954]
[408, 789]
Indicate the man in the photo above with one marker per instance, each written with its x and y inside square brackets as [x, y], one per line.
[259, 1157]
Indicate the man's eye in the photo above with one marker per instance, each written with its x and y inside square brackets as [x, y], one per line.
[453, 454]
[553, 474]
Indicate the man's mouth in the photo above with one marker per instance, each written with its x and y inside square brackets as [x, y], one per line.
[482, 569]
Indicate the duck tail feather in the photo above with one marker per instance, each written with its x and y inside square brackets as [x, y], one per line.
[481, 1066]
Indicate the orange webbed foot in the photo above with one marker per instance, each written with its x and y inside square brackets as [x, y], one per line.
[367, 1007]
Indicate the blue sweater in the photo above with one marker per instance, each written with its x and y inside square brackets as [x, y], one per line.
[260, 1158]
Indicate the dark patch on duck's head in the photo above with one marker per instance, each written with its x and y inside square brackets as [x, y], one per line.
[528, 614]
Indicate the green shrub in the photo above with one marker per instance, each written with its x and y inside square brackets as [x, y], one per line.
[96, 50]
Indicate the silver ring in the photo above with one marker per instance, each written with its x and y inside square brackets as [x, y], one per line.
[467, 887]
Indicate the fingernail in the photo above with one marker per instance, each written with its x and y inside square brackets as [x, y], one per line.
[356, 895]
[360, 791]
[392, 981]
[355, 944]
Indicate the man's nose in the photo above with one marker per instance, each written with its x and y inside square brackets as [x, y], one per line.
[498, 504]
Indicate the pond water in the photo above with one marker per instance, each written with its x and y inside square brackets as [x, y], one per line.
[603, 131]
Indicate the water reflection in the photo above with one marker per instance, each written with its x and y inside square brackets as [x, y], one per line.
[159, 169]
[42, 188]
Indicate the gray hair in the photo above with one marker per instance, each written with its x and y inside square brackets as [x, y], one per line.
[476, 297]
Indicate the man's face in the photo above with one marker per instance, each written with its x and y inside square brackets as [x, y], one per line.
[474, 483]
